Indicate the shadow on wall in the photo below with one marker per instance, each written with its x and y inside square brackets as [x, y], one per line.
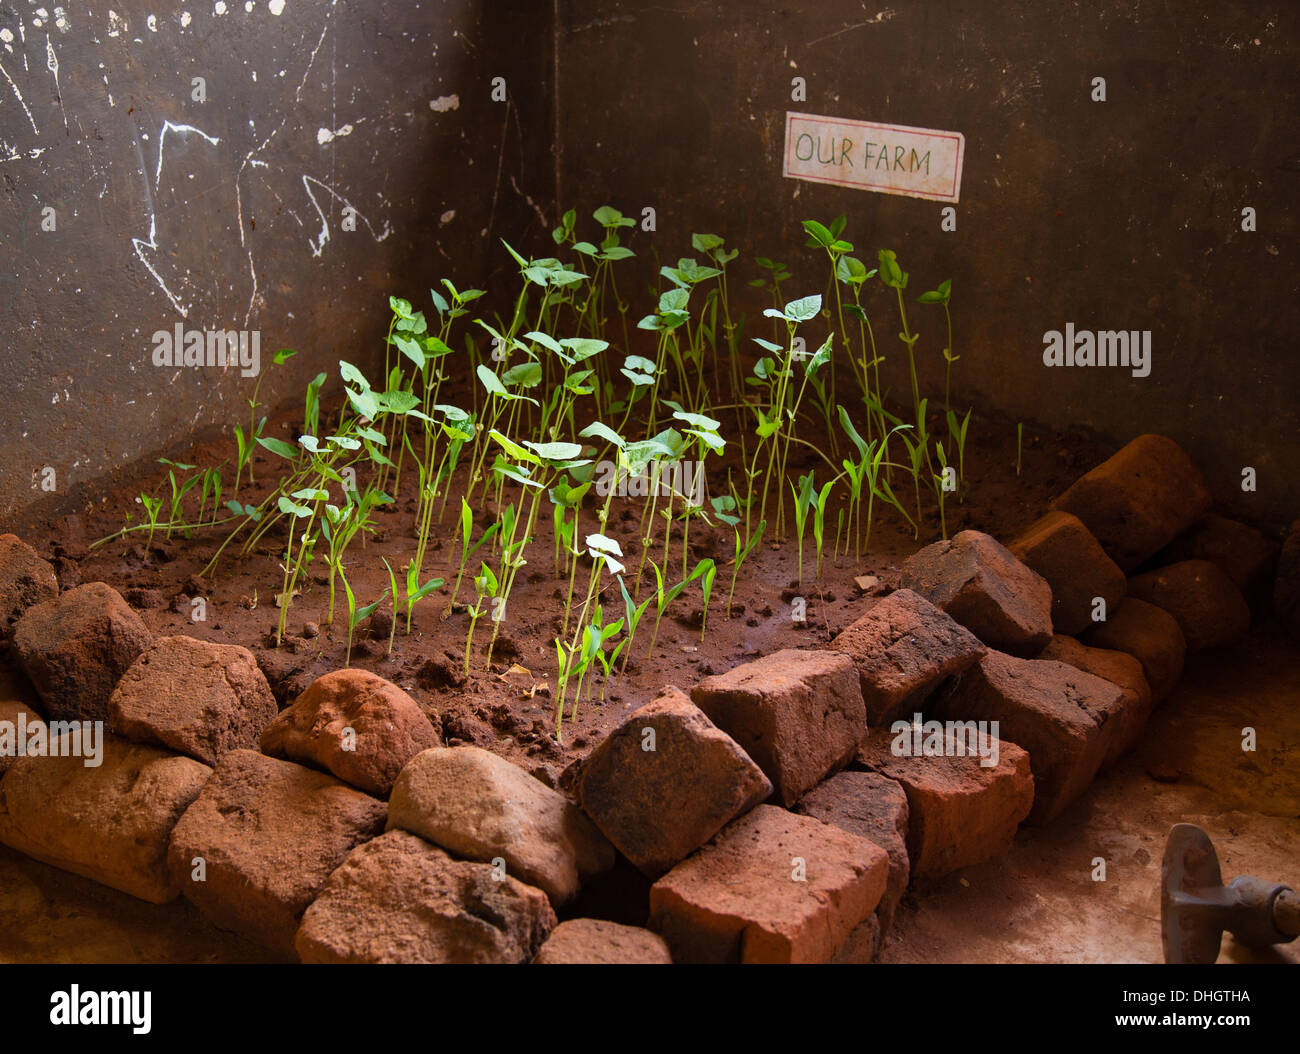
[1115, 215]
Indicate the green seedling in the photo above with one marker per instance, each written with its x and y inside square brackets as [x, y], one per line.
[485, 589]
[416, 592]
[606, 555]
[244, 441]
[356, 615]
[957, 431]
[819, 522]
[632, 615]
[804, 499]
[467, 550]
[741, 554]
[706, 576]
[392, 592]
[294, 564]
[153, 506]
[941, 488]
[665, 596]
[943, 295]
[179, 488]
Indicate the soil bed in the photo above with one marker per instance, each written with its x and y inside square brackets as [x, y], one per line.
[514, 714]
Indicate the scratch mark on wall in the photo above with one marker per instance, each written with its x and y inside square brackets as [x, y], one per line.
[881, 17]
[183, 129]
[250, 160]
[52, 64]
[141, 244]
[501, 156]
[541, 216]
[21, 102]
[318, 244]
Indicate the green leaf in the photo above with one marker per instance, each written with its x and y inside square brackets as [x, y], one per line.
[525, 375]
[555, 451]
[819, 234]
[803, 309]
[353, 375]
[584, 348]
[847, 424]
[290, 508]
[283, 355]
[518, 259]
[850, 270]
[399, 401]
[545, 340]
[426, 589]
[698, 420]
[603, 431]
[365, 612]
[712, 440]
[515, 472]
[279, 446]
[890, 273]
[512, 448]
[491, 381]
[820, 357]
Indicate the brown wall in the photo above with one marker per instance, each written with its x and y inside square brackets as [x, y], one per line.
[79, 304]
[1116, 215]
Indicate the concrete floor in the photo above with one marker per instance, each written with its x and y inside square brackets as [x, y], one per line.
[1037, 903]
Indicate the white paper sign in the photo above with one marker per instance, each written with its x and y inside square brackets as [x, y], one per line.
[888, 158]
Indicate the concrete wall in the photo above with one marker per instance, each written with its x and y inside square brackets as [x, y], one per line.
[229, 213]
[1116, 215]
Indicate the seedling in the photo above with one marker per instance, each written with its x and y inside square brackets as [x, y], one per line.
[819, 522]
[356, 615]
[416, 592]
[467, 550]
[804, 498]
[958, 434]
[942, 295]
[741, 555]
[485, 588]
[392, 592]
[244, 441]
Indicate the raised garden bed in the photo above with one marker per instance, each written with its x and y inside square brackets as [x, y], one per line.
[411, 684]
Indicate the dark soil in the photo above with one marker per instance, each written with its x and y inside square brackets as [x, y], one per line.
[513, 714]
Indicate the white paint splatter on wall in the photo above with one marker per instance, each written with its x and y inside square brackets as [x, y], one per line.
[324, 135]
